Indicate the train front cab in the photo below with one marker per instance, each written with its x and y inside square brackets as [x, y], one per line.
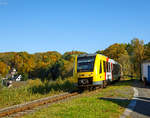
[96, 76]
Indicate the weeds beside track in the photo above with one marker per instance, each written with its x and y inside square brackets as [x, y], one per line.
[23, 109]
[30, 105]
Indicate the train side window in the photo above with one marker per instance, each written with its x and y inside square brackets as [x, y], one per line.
[100, 69]
[109, 67]
[115, 68]
[104, 66]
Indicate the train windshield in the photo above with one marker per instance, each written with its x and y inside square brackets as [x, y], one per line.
[85, 64]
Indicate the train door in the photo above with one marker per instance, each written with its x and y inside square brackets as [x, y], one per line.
[101, 70]
[104, 84]
[108, 71]
[104, 70]
[111, 69]
[75, 71]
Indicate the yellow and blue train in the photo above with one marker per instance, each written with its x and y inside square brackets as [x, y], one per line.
[91, 70]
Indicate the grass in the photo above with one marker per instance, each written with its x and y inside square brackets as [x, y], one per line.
[108, 103]
[33, 89]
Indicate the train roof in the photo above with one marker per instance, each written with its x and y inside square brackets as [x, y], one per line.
[88, 55]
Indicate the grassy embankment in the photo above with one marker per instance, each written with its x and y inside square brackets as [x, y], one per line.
[108, 103]
[33, 89]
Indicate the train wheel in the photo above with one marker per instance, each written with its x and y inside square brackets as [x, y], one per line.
[93, 88]
[105, 83]
[108, 82]
[102, 86]
[80, 89]
[90, 88]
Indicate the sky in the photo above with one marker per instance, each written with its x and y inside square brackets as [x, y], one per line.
[66, 25]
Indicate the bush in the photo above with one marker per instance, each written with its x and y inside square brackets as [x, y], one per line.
[24, 77]
[34, 89]
[57, 86]
[36, 82]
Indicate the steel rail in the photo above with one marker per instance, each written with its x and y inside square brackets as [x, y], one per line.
[30, 105]
[23, 109]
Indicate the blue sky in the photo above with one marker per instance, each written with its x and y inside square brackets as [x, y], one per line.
[66, 25]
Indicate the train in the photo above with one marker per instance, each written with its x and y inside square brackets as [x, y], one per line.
[95, 70]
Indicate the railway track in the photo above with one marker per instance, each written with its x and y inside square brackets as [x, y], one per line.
[17, 111]
[22, 109]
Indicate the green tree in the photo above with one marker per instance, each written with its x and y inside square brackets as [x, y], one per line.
[124, 60]
[56, 69]
[70, 55]
[137, 55]
[100, 52]
[147, 51]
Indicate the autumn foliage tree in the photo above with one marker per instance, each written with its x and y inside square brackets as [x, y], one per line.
[46, 66]
[4, 68]
[52, 65]
[130, 55]
[114, 51]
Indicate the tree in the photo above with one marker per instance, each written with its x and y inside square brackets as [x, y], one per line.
[100, 52]
[124, 60]
[4, 69]
[56, 69]
[147, 51]
[115, 51]
[70, 55]
[137, 55]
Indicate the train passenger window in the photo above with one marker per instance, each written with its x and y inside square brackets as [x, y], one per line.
[107, 67]
[100, 69]
[115, 68]
[111, 67]
[104, 66]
